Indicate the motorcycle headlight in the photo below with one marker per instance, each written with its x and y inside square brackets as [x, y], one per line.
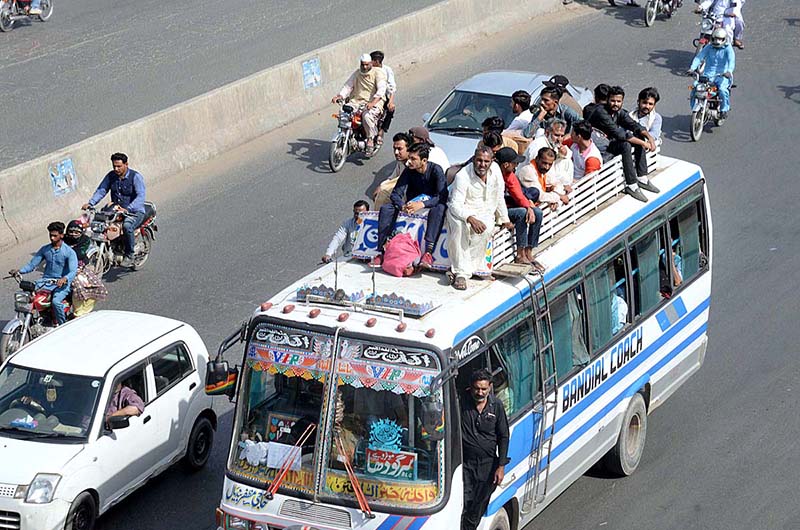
[42, 488]
[706, 25]
[22, 298]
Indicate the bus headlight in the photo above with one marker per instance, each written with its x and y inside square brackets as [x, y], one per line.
[42, 488]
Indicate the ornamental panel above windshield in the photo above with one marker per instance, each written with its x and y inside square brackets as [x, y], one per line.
[382, 427]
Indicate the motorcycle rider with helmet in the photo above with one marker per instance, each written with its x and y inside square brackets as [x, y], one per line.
[366, 86]
[730, 13]
[127, 190]
[61, 264]
[720, 61]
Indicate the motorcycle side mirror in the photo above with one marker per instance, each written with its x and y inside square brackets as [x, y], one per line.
[221, 379]
[426, 117]
[118, 422]
[27, 286]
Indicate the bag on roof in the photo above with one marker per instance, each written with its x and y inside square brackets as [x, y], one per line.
[400, 254]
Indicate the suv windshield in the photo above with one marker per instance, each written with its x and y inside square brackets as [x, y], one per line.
[37, 403]
[383, 423]
[465, 111]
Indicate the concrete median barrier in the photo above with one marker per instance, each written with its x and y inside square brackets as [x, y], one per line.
[167, 142]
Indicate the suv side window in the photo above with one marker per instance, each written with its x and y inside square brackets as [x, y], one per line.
[170, 366]
[133, 379]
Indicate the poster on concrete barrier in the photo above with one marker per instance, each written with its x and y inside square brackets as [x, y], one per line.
[63, 177]
[366, 243]
[312, 73]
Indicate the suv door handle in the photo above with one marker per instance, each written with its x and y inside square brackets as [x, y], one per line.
[191, 387]
[146, 419]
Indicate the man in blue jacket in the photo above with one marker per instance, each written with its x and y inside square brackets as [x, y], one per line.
[720, 61]
[127, 196]
[61, 264]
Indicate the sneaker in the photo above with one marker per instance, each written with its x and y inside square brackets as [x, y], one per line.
[648, 186]
[636, 194]
[426, 262]
[376, 261]
[127, 261]
[35, 11]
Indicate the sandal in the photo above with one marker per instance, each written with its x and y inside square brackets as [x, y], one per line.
[460, 283]
[538, 266]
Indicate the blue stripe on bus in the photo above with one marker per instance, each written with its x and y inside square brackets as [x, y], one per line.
[597, 244]
[510, 491]
[418, 522]
[671, 314]
[390, 522]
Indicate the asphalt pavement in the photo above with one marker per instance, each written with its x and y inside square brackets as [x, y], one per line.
[96, 65]
[722, 452]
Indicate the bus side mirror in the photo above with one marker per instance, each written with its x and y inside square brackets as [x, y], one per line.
[221, 379]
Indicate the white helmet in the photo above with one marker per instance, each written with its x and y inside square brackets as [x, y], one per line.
[718, 38]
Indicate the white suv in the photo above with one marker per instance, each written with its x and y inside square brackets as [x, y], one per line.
[64, 461]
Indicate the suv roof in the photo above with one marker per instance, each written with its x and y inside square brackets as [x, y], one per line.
[92, 344]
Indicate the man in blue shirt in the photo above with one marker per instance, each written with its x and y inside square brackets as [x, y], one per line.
[61, 264]
[720, 61]
[127, 196]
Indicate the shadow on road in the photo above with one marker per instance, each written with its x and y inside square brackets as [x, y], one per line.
[676, 61]
[379, 176]
[631, 16]
[792, 93]
[793, 22]
[314, 153]
[676, 128]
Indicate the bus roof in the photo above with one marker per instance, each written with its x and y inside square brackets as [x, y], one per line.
[455, 315]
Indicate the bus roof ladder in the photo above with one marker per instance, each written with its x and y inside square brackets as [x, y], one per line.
[544, 429]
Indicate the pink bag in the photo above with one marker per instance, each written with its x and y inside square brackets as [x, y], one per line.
[399, 255]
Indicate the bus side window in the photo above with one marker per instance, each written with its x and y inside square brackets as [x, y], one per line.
[514, 369]
[607, 297]
[688, 241]
[567, 316]
[651, 277]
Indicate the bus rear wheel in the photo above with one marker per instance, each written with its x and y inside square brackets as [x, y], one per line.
[623, 459]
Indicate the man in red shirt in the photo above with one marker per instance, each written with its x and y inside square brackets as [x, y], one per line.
[527, 218]
[586, 157]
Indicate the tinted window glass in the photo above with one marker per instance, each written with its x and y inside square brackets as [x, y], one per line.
[569, 336]
[514, 369]
[169, 366]
[685, 231]
[650, 273]
[607, 299]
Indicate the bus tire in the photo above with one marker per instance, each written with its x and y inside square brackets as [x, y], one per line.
[623, 459]
[500, 521]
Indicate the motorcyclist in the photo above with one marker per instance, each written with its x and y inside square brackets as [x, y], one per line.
[78, 241]
[61, 264]
[366, 86]
[729, 12]
[127, 197]
[720, 61]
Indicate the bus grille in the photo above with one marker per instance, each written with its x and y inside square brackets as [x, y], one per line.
[314, 513]
[9, 520]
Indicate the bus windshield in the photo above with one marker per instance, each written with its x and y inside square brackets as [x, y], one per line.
[383, 423]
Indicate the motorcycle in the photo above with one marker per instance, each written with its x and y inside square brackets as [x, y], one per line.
[708, 23]
[105, 229]
[13, 10]
[35, 315]
[705, 104]
[652, 8]
[351, 136]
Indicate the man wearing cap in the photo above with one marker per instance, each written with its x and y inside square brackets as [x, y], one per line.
[437, 154]
[550, 107]
[527, 218]
[366, 86]
[477, 203]
[561, 82]
[421, 185]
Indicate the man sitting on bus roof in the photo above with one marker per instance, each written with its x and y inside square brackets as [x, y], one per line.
[535, 178]
[346, 235]
[477, 202]
[421, 185]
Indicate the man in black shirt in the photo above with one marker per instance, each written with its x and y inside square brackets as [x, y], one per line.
[484, 443]
[607, 115]
[421, 185]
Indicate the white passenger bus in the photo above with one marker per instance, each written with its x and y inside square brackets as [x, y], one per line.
[347, 410]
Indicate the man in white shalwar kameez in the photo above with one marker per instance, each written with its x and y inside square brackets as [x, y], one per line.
[476, 204]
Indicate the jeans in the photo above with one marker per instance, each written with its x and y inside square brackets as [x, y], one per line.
[630, 170]
[59, 294]
[129, 225]
[527, 236]
[388, 215]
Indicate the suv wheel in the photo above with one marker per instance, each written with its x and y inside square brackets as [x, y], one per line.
[200, 442]
[83, 513]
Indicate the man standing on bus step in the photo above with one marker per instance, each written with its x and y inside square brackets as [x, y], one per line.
[484, 444]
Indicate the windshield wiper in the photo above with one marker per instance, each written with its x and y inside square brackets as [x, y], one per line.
[295, 451]
[351, 474]
[456, 130]
[37, 434]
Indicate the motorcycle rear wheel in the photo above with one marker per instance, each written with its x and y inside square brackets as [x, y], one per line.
[145, 244]
[338, 153]
[12, 342]
[698, 121]
[650, 10]
[6, 22]
[47, 10]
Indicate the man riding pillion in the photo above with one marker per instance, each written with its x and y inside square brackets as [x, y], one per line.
[127, 197]
[720, 61]
[366, 86]
[61, 264]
